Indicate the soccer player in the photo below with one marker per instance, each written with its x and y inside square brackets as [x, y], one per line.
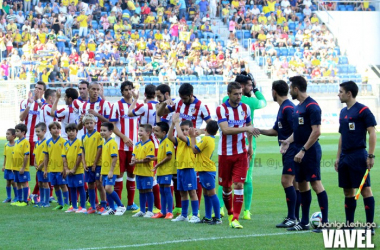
[283, 128]
[83, 91]
[92, 144]
[39, 156]
[207, 171]
[143, 170]
[110, 169]
[165, 169]
[7, 165]
[73, 169]
[163, 94]
[234, 120]
[20, 167]
[186, 176]
[53, 165]
[306, 130]
[352, 159]
[254, 102]
[46, 115]
[126, 130]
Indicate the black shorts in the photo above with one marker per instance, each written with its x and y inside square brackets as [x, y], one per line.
[288, 160]
[351, 169]
[310, 167]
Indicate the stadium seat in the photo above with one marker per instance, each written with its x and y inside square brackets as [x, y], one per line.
[107, 92]
[343, 60]
[283, 51]
[155, 80]
[323, 88]
[193, 79]
[351, 69]
[221, 41]
[350, 8]
[343, 69]
[246, 43]
[147, 79]
[202, 89]
[211, 89]
[369, 88]
[211, 79]
[247, 34]
[314, 88]
[239, 34]
[114, 91]
[372, 8]
[291, 51]
[204, 79]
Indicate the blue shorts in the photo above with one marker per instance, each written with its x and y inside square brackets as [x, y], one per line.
[56, 178]
[186, 179]
[108, 182]
[8, 175]
[40, 176]
[310, 168]
[351, 169]
[288, 160]
[20, 178]
[74, 181]
[164, 179]
[144, 182]
[91, 176]
[207, 179]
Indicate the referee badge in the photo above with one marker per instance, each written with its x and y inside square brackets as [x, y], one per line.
[300, 121]
[279, 125]
[351, 125]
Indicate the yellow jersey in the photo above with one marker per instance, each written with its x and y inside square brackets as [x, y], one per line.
[203, 160]
[82, 19]
[185, 156]
[158, 36]
[141, 45]
[149, 19]
[8, 155]
[73, 69]
[21, 148]
[71, 151]
[135, 36]
[90, 144]
[54, 151]
[38, 152]
[65, 2]
[165, 148]
[271, 5]
[141, 151]
[42, 37]
[110, 150]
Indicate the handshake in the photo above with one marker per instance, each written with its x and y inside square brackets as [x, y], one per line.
[253, 131]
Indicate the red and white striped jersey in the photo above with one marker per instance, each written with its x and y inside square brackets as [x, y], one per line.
[77, 104]
[31, 119]
[67, 115]
[128, 126]
[47, 119]
[101, 106]
[195, 112]
[236, 118]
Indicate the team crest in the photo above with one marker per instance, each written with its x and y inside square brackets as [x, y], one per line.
[98, 108]
[300, 121]
[192, 110]
[279, 124]
[242, 112]
[351, 125]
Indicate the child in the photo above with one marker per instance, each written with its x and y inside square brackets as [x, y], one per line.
[92, 144]
[7, 166]
[110, 169]
[53, 165]
[21, 154]
[39, 156]
[207, 170]
[186, 177]
[143, 150]
[165, 169]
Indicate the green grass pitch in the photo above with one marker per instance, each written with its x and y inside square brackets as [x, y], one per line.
[35, 228]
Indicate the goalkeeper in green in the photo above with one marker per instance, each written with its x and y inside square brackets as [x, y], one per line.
[254, 102]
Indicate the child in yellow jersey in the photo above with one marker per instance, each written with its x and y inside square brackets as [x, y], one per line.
[73, 169]
[92, 144]
[7, 165]
[185, 160]
[110, 169]
[165, 169]
[53, 165]
[20, 167]
[39, 156]
[207, 171]
[144, 169]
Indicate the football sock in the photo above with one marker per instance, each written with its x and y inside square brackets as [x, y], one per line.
[227, 198]
[305, 205]
[369, 206]
[118, 188]
[195, 207]
[185, 207]
[150, 199]
[19, 194]
[323, 202]
[9, 192]
[156, 194]
[169, 199]
[91, 194]
[96, 196]
[82, 195]
[66, 197]
[220, 196]
[298, 204]
[142, 201]
[47, 195]
[291, 199]
[51, 189]
[25, 192]
[42, 195]
[237, 203]
[36, 187]
[15, 192]
[58, 193]
[199, 191]
[208, 206]
[177, 194]
[248, 192]
[116, 199]
[111, 202]
[350, 207]
[216, 205]
[131, 187]
[103, 204]
[163, 200]
[74, 197]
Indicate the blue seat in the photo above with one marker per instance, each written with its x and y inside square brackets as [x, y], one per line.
[239, 34]
[261, 60]
[343, 69]
[247, 34]
[202, 89]
[369, 88]
[351, 69]
[283, 51]
[148, 59]
[337, 50]
[291, 51]
[358, 78]
[114, 91]
[211, 89]
[211, 79]
[75, 31]
[107, 92]
[245, 43]
[185, 78]
[292, 26]
[350, 7]
[155, 80]
[314, 88]
[94, 24]
[221, 41]
[204, 79]
[343, 60]
[147, 79]
[323, 88]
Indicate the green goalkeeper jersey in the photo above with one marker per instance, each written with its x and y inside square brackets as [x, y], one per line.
[256, 102]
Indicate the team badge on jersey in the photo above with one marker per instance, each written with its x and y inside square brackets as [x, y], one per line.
[97, 107]
[279, 125]
[193, 110]
[243, 112]
[300, 121]
[351, 125]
